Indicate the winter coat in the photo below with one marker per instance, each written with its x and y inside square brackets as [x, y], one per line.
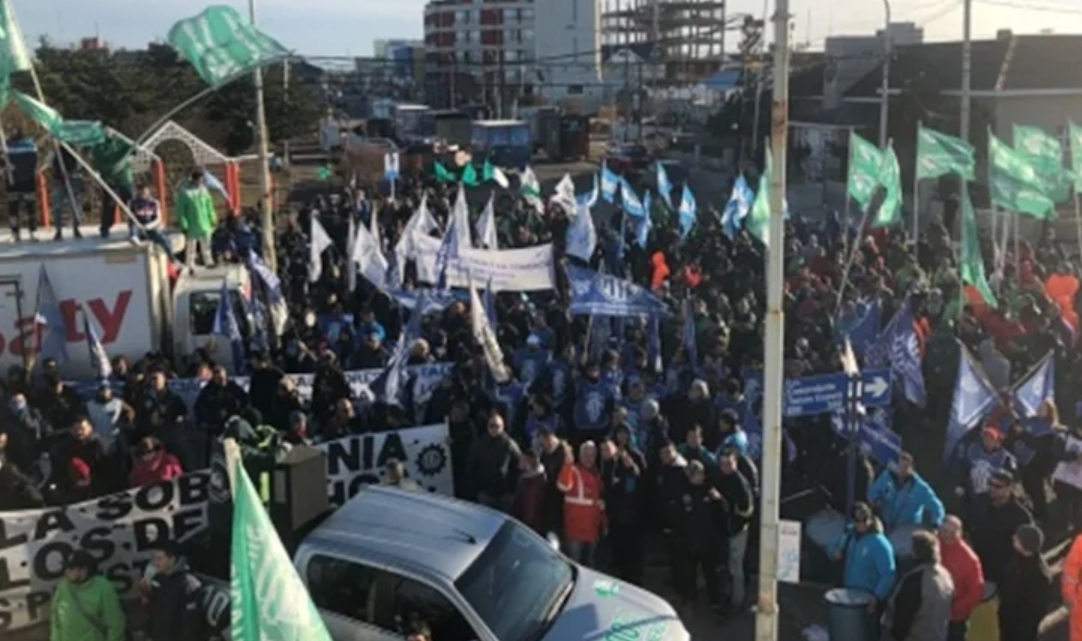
[196, 215]
[1071, 587]
[908, 502]
[529, 505]
[584, 511]
[671, 482]
[92, 452]
[175, 609]
[621, 489]
[553, 509]
[17, 491]
[493, 465]
[739, 503]
[965, 569]
[217, 403]
[869, 561]
[28, 434]
[696, 522]
[162, 467]
[991, 531]
[920, 608]
[1024, 598]
[89, 611]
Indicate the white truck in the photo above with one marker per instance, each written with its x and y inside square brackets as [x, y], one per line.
[124, 289]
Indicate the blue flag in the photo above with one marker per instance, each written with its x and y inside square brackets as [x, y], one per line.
[653, 343]
[610, 182]
[488, 300]
[447, 253]
[689, 213]
[271, 291]
[1036, 387]
[736, 210]
[664, 186]
[594, 293]
[630, 201]
[390, 384]
[226, 325]
[899, 346]
[876, 436]
[973, 396]
[212, 182]
[49, 320]
[861, 327]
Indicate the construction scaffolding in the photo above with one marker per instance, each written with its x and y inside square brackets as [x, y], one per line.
[685, 37]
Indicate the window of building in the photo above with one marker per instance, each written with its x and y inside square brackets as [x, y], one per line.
[510, 15]
[464, 16]
[574, 90]
[526, 15]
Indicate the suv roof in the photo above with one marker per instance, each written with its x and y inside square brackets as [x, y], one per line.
[430, 533]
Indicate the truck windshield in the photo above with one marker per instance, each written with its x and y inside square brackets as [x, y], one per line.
[515, 582]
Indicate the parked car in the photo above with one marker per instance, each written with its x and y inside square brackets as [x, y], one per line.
[628, 159]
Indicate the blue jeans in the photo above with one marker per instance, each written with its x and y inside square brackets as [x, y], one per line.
[157, 237]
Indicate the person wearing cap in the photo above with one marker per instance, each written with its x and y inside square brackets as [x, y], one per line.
[979, 459]
[85, 605]
[903, 497]
[173, 604]
[921, 605]
[80, 471]
[966, 572]
[1026, 593]
[996, 517]
[868, 556]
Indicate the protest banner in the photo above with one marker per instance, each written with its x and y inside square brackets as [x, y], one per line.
[119, 530]
[528, 269]
[356, 461]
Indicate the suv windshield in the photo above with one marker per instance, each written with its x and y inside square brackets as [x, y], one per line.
[513, 584]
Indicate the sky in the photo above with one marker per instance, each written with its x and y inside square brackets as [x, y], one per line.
[348, 27]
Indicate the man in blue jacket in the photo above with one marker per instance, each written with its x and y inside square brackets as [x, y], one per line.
[869, 557]
[902, 497]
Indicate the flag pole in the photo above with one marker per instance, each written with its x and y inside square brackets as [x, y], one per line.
[848, 205]
[1017, 261]
[1078, 216]
[916, 198]
[60, 160]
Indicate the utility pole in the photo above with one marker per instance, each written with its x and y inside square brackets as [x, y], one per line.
[766, 611]
[266, 197]
[286, 157]
[967, 67]
[884, 100]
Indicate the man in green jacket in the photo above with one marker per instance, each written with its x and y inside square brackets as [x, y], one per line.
[85, 606]
[197, 218]
[112, 159]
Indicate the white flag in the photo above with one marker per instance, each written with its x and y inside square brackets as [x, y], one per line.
[351, 238]
[565, 193]
[320, 241]
[500, 177]
[486, 337]
[581, 235]
[531, 190]
[368, 257]
[486, 227]
[420, 222]
[461, 216]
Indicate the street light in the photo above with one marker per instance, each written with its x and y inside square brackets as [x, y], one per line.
[884, 99]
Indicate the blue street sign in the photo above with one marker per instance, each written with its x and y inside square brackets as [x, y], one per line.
[826, 393]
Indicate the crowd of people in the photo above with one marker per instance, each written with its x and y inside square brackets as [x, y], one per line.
[624, 458]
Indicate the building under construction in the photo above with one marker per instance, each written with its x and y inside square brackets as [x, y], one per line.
[686, 38]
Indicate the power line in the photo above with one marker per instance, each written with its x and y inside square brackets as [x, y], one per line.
[1032, 7]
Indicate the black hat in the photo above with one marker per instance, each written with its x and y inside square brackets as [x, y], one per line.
[1031, 538]
[81, 560]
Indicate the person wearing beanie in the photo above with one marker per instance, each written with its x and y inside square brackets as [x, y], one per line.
[868, 555]
[966, 572]
[1026, 591]
[996, 517]
[920, 608]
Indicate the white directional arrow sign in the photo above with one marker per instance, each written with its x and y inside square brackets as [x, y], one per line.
[876, 387]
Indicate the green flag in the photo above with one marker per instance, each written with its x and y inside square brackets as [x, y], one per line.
[972, 266]
[492, 173]
[1045, 153]
[865, 159]
[1013, 182]
[267, 598]
[758, 220]
[890, 176]
[939, 154]
[323, 173]
[1076, 155]
[73, 132]
[442, 175]
[13, 53]
[222, 44]
[469, 175]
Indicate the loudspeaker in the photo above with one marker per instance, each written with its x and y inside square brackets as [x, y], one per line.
[298, 499]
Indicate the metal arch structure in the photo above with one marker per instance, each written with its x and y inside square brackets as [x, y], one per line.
[202, 154]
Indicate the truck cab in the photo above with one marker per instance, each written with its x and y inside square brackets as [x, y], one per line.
[195, 303]
[471, 573]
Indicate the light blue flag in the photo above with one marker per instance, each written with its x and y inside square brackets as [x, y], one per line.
[1036, 387]
[664, 186]
[610, 182]
[49, 320]
[581, 235]
[226, 325]
[212, 182]
[590, 198]
[272, 291]
[689, 213]
[642, 232]
[736, 210]
[973, 397]
[898, 347]
[630, 201]
[103, 369]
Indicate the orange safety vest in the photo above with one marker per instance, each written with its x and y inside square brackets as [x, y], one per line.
[1072, 587]
[583, 507]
